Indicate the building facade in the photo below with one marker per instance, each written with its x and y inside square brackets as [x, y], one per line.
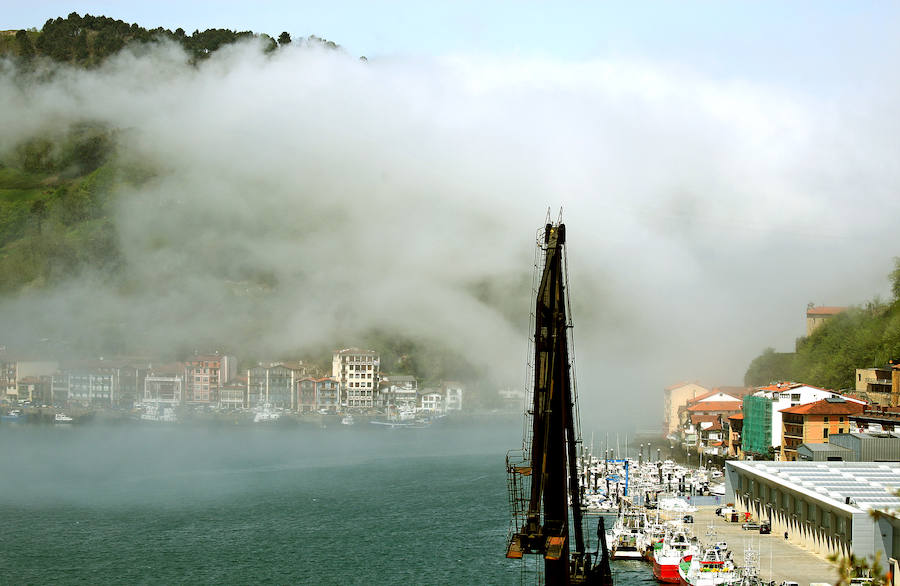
[328, 395]
[812, 423]
[822, 506]
[432, 401]
[817, 316]
[358, 372]
[307, 399]
[162, 390]
[453, 397]
[274, 385]
[400, 391]
[675, 397]
[233, 394]
[762, 427]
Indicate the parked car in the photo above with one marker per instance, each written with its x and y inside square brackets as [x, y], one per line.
[765, 528]
[751, 525]
[687, 519]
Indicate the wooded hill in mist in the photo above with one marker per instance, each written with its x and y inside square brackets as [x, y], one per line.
[88, 40]
[59, 192]
[861, 337]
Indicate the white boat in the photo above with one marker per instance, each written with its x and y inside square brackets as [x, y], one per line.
[714, 567]
[159, 414]
[265, 414]
[62, 418]
[347, 420]
[625, 536]
[676, 504]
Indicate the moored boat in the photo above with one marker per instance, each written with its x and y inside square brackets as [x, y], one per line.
[713, 568]
[625, 536]
[266, 414]
[667, 557]
[14, 416]
[62, 418]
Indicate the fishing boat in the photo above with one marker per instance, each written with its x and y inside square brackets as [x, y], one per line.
[265, 414]
[14, 416]
[667, 557]
[62, 418]
[625, 536]
[714, 567]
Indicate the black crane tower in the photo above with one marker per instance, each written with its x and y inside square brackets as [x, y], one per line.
[549, 459]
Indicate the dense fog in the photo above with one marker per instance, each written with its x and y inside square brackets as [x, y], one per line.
[302, 197]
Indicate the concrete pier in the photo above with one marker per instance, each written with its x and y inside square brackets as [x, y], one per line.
[779, 560]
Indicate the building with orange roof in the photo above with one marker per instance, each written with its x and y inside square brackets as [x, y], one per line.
[735, 425]
[307, 398]
[328, 394]
[812, 423]
[233, 394]
[204, 374]
[703, 416]
[816, 316]
[762, 427]
[675, 397]
[358, 371]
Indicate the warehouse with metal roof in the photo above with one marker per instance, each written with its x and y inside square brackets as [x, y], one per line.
[824, 506]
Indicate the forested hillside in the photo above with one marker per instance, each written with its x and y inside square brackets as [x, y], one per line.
[88, 40]
[860, 337]
[54, 221]
[59, 190]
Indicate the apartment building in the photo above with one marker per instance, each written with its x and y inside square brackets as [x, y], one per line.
[358, 372]
[812, 423]
[204, 376]
[274, 384]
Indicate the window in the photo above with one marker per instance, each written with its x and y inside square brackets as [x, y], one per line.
[825, 432]
[841, 419]
[826, 419]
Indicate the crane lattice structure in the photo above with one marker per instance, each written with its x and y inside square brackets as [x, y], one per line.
[543, 477]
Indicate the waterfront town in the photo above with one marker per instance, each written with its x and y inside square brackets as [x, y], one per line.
[207, 383]
[819, 467]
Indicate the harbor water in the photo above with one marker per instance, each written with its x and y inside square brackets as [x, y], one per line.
[259, 505]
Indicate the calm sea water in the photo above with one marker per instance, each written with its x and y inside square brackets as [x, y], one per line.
[164, 505]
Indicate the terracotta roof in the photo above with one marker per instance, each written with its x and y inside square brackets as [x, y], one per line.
[825, 310]
[711, 394]
[695, 419]
[716, 406]
[735, 391]
[826, 407]
[737, 416]
[715, 444]
[682, 384]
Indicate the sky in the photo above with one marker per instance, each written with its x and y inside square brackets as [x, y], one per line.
[718, 166]
[829, 44]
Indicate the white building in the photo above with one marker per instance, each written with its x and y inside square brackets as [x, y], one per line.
[785, 395]
[400, 391]
[432, 401]
[358, 373]
[166, 391]
[453, 396]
